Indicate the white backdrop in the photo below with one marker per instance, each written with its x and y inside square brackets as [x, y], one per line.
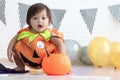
[72, 25]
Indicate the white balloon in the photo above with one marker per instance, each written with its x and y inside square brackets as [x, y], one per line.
[73, 49]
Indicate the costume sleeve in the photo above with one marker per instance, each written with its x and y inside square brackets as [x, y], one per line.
[21, 30]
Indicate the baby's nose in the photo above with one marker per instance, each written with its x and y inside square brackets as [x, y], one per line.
[39, 20]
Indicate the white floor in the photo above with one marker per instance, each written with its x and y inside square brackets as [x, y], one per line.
[80, 72]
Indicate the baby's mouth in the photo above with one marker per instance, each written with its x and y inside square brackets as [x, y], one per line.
[39, 26]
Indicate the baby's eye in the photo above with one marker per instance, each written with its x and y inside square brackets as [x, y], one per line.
[43, 18]
[35, 18]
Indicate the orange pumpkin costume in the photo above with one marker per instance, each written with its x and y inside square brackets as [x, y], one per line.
[31, 48]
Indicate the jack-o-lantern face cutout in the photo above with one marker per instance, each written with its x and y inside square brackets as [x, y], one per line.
[32, 53]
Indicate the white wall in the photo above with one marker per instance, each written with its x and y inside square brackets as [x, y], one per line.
[72, 25]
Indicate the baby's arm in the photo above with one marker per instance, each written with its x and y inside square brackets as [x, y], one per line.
[58, 42]
[10, 48]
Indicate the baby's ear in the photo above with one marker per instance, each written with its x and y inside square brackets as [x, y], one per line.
[50, 25]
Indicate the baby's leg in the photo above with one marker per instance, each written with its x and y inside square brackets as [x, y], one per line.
[19, 63]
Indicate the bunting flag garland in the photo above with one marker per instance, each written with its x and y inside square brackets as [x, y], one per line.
[23, 12]
[57, 16]
[2, 11]
[115, 10]
[89, 17]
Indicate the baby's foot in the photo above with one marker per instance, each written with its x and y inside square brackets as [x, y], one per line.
[19, 68]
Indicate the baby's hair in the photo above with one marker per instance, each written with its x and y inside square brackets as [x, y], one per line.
[35, 8]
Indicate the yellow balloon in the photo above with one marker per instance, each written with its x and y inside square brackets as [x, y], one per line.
[115, 54]
[99, 51]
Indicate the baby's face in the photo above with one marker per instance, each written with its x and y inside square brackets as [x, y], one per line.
[39, 21]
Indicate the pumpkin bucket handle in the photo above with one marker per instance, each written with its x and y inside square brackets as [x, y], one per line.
[46, 48]
[47, 51]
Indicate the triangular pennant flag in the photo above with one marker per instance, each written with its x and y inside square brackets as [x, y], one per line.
[23, 12]
[2, 11]
[57, 16]
[115, 10]
[89, 17]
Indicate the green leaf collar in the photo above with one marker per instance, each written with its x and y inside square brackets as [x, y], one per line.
[32, 36]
